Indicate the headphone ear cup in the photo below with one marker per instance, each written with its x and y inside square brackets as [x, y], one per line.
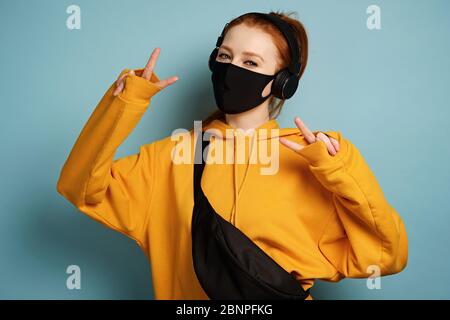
[212, 57]
[284, 85]
[279, 82]
[290, 86]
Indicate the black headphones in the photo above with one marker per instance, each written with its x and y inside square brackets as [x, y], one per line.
[286, 80]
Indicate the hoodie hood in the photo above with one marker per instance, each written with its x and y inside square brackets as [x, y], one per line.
[268, 130]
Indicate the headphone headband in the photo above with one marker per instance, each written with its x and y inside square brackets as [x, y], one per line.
[286, 30]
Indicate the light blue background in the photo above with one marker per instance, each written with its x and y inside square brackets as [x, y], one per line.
[386, 90]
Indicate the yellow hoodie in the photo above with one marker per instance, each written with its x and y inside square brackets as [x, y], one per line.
[319, 217]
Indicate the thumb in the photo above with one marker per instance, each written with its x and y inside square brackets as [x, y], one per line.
[166, 82]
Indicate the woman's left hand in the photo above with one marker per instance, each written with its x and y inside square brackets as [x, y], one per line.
[331, 143]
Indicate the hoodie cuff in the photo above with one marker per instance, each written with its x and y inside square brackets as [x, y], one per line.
[317, 154]
[137, 89]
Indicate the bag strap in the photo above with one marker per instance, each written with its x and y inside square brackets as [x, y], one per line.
[199, 163]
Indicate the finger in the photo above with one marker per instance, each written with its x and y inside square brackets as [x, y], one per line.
[335, 144]
[119, 89]
[120, 79]
[148, 70]
[166, 82]
[321, 136]
[121, 75]
[120, 83]
[309, 136]
[291, 144]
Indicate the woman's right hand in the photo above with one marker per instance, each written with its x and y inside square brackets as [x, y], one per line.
[146, 74]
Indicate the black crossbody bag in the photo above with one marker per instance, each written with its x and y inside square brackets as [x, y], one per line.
[228, 264]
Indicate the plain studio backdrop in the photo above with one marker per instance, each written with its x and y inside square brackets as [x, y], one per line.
[384, 89]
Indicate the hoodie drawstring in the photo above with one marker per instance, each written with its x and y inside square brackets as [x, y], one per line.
[236, 189]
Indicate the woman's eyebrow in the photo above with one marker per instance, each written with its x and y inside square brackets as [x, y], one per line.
[248, 53]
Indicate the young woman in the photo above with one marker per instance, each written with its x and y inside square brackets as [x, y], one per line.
[320, 213]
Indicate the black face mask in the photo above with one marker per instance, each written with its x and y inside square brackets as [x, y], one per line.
[237, 89]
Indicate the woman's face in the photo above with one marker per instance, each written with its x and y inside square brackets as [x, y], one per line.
[250, 48]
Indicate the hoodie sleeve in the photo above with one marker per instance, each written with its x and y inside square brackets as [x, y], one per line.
[115, 193]
[364, 230]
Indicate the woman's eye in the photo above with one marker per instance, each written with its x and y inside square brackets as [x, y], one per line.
[223, 54]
